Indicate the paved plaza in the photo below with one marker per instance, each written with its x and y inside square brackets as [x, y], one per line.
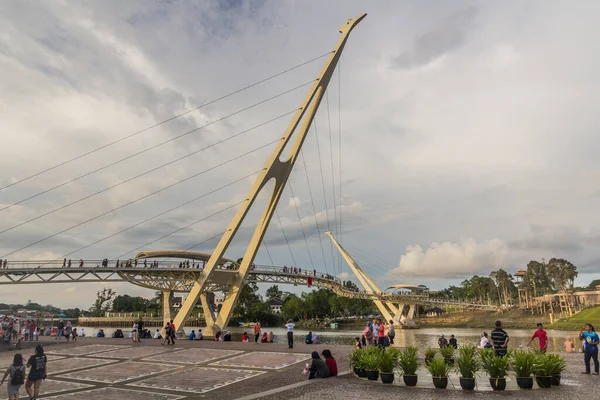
[102, 369]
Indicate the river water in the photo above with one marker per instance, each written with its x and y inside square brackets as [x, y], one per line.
[421, 338]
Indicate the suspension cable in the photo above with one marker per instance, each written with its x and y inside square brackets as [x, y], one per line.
[286, 238]
[264, 243]
[140, 198]
[165, 121]
[312, 200]
[202, 242]
[340, 138]
[129, 157]
[163, 213]
[144, 173]
[301, 225]
[182, 228]
[324, 192]
[335, 224]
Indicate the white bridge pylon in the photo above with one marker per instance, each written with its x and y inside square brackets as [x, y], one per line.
[389, 310]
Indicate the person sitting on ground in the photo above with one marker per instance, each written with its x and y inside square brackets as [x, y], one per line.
[245, 338]
[308, 338]
[442, 341]
[264, 338]
[330, 361]
[199, 335]
[357, 343]
[157, 334]
[192, 335]
[217, 336]
[315, 339]
[100, 333]
[453, 342]
[318, 367]
[484, 342]
[270, 337]
[227, 336]
[569, 346]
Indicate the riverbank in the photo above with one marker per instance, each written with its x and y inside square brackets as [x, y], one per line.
[514, 319]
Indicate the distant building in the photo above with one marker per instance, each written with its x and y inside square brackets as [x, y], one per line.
[434, 312]
[275, 305]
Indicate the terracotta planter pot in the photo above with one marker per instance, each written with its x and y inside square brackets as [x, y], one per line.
[544, 382]
[372, 375]
[440, 382]
[498, 383]
[387, 377]
[410, 380]
[467, 383]
[525, 382]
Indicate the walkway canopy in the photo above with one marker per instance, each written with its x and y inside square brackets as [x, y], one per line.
[183, 254]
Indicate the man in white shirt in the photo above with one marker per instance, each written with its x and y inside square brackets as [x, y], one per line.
[375, 330]
[290, 333]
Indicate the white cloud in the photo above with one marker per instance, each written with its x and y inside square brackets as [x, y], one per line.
[344, 276]
[465, 258]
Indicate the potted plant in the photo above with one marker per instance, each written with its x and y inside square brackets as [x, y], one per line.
[360, 363]
[447, 353]
[439, 370]
[467, 366]
[388, 361]
[497, 369]
[523, 364]
[408, 361]
[430, 355]
[543, 369]
[353, 357]
[558, 366]
[371, 363]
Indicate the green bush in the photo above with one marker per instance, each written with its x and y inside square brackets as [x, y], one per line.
[408, 361]
[467, 364]
[370, 358]
[467, 350]
[523, 362]
[496, 367]
[447, 352]
[558, 364]
[388, 361]
[430, 354]
[354, 357]
[438, 368]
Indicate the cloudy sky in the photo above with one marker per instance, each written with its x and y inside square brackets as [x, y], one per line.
[468, 133]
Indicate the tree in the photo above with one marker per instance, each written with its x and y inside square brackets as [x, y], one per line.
[292, 308]
[127, 303]
[562, 274]
[103, 302]
[274, 293]
[594, 283]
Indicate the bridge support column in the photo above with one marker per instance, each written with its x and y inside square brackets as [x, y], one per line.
[398, 315]
[209, 315]
[167, 306]
[411, 312]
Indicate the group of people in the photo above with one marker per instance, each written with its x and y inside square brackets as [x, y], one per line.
[16, 373]
[321, 367]
[377, 333]
[12, 330]
[443, 342]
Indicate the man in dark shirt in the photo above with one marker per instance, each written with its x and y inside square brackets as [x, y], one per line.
[500, 340]
[453, 342]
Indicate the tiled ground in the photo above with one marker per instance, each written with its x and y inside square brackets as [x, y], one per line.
[120, 372]
[109, 393]
[51, 386]
[69, 350]
[197, 380]
[137, 352]
[262, 360]
[73, 364]
[193, 356]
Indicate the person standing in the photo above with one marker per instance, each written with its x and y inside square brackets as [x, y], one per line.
[17, 377]
[500, 340]
[290, 333]
[590, 348]
[380, 333]
[453, 342]
[256, 331]
[375, 328]
[542, 336]
[391, 332]
[61, 327]
[37, 373]
[140, 327]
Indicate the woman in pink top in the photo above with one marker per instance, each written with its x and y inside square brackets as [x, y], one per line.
[380, 333]
[368, 334]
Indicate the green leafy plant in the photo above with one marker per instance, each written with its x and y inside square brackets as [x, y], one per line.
[447, 352]
[408, 361]
[370, 358]
[354, 357]
[486, 354]
[467, 364]
[430, 355]
[558, 364]
[523, 362]
[438, 368]
[387, 361]
[543, 365]
[496, 367]
[467, 350]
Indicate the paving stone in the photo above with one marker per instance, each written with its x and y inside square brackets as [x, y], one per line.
[263, 360]
[131, 353]
[197, 380]
[73, 364]
[109, 393]
[193, 356]
[120, 372]
[69, 350]
[50, 386]
[6, 360]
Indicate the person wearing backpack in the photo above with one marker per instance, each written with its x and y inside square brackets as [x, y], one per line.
[37, 372]
[17, 377]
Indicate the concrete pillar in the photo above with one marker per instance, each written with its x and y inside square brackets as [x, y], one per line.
[167, 306]
[398, 315]
[411, 311]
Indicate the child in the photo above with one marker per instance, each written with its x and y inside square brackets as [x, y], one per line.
[245, 337]
[357, 343]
